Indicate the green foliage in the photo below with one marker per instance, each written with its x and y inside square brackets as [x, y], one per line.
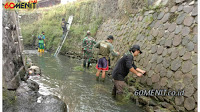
[50, 22]
[9, 97]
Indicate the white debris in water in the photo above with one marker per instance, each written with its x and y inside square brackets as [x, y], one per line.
[39, 100]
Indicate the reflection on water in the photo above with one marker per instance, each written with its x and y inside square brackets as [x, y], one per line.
[78, 89]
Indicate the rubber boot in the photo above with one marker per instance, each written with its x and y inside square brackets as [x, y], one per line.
[88, 65]
[42, 50]
[103, 80]
[97, 78]
[38, 49]
[84, 63]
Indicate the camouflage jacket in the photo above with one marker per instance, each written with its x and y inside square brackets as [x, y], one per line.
[88, 43]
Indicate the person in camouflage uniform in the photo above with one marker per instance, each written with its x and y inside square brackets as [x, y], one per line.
[87, 46]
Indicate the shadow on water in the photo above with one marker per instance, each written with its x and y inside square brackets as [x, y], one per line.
[76, 87]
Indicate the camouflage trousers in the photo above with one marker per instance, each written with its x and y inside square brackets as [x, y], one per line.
[87, 54]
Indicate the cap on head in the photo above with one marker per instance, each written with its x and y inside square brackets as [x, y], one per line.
[134, 48]
[110, 37]
[42, 32]
[88, 32]
[63, 19]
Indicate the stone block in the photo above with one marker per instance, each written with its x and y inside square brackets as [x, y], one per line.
[153, 49]
[174, 54]
[155, 33]
[178, 29]
[166, 62]
[179, 100]
[160, 50]
[158, 68]
[188, 21]
[180, 18]
[187, 56]
[186, 66]
[169, 74]
[160, 16]
[164, 53]
[189, 103]
[194, 40]
[194, 59]
[185, 40]
[150, 73]
[166, 25]
[185, 31]
[163, 72]
[187, 9]
[174, 8]
[176, 64]
[166, 17]
[163, 81]
[189, 90]
[179, 1]
[180, 8]
[177, 40]
[172, 27]
[157, 24]
[170, 83]
[194, 70]
[195, 48]
[160, 59]
[190, 46]
[195, 11]
[195, 30]
[187, 79]
[168, 43]
[178, 86]
[178, 75]
[195, 84]
[156, 86]
[155, 78]
[149, 82]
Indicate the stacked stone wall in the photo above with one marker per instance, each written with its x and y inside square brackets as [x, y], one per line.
[168, 38]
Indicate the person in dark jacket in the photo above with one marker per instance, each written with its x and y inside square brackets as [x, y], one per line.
[122, 68]
[64, 27]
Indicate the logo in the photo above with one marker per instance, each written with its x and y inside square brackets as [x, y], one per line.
[21, 5]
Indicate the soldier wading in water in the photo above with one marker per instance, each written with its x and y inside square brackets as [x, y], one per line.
[87, 45]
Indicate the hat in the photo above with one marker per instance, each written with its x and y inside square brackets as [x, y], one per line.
[137, 47]
[88, 31]
[110, 37]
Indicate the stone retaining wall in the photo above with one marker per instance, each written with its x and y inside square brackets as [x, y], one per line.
[168, 38]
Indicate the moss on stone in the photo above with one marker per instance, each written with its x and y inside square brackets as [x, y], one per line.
[173, 17]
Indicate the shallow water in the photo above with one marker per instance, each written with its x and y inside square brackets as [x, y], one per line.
[78, 89]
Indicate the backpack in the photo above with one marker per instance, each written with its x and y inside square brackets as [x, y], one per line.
[63, 24]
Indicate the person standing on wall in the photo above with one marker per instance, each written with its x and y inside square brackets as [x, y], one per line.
[41, 39]
[64, 27]
[105, 48]
[87, 45]
[122, 68]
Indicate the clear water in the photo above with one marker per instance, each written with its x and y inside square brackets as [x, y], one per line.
[78, 89]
